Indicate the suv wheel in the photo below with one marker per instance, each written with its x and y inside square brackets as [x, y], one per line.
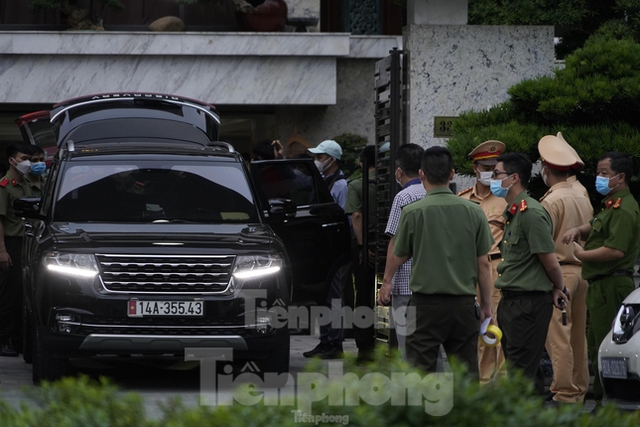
[27, 336]
[45, 366]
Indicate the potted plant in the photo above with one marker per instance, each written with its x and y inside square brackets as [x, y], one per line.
[77, 16]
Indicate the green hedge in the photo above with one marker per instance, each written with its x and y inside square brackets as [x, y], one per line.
[81, 402]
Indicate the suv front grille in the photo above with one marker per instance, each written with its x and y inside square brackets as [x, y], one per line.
[165, 273]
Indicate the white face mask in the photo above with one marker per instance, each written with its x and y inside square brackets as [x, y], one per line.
[398, 179]
[23, 167]
[322, 166]
[544, 173]
[485, 178]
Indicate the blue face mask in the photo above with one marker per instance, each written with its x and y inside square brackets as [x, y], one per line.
[38, 168]
[602, 185]
[496, 187]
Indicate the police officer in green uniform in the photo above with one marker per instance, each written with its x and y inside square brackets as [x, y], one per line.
[35, 177]
[449, 239]
[364, 275]
[529, 275]
[609, 254]
[12, 187]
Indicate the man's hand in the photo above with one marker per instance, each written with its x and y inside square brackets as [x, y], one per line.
[384, 294]
[578, 250]
[571, 235]
[560, 297]
[5, 260]
[278, 150]
[485, 313]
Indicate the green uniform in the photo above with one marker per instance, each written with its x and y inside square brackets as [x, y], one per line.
[526, 306]
[615, 226]
[10, 190]
[354, 199]
[527, 232]
[35, 185]
[437, 230]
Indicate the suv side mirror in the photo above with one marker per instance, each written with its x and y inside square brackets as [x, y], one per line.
[282, 208]
[28, 207]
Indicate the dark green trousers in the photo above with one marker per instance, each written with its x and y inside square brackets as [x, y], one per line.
[604, 298]
[524, 319]
[447, 320]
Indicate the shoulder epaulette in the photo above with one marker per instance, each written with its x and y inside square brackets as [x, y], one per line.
[609, 203]
[545, 195]
[4, 182]
[465, 191]
[617, 203]
[523, 206]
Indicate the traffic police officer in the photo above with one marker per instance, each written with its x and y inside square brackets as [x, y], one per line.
[572, 179]
[609, 254]
[490, 359]
[529, 275]
[568, 207]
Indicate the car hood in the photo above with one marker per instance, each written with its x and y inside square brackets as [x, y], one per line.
[633, 297]
[164, 234]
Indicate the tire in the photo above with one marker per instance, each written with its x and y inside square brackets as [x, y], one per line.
[45, 366]
[27, 336]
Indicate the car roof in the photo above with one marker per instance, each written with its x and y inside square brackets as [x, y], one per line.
[90, 111]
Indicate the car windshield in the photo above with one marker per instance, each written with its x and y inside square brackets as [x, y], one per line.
[154, 191]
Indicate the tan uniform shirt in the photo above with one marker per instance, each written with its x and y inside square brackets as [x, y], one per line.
[573, 180]
[568, 208]
[493, 207]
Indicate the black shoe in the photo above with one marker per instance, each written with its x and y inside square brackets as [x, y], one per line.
[6, 349]
[320, 348]
[549, 396]
[325, 351]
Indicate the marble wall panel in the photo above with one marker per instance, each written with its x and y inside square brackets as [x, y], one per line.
[219, 80]
[456, 68]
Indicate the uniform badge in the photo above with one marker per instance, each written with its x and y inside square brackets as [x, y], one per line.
[513, 209]
[617, 204]
[14, 182]
[609, 203]
[4, 182]
[523, 206]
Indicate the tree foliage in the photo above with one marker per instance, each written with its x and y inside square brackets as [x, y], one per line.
[594, 101]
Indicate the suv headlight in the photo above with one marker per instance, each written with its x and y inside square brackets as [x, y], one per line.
[252, 266]
[80, 265]
[626, 323]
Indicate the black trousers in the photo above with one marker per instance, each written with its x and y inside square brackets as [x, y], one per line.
[11, 293]
[524, 319]
[447, 320]
[365, 283]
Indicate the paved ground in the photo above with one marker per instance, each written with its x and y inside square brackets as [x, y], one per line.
[156, 380]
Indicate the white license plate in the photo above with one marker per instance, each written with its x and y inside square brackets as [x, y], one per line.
[139, 308]
[614, 367]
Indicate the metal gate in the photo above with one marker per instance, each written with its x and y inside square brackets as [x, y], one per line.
[390, 121]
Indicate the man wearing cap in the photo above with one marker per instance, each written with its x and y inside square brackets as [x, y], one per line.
[490, 359]
[572, 178]
[326, 156]
[568, 207]
[529, 275]
[611, 248]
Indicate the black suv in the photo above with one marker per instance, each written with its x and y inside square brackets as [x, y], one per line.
[152, 237]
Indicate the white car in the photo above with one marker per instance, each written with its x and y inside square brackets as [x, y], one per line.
[619, 356]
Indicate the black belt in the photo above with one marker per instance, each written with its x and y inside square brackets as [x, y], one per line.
[495, 256]
[617, 273]
[418, 296]
[506, 293]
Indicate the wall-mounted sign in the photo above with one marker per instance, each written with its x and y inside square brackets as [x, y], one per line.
[442, 126]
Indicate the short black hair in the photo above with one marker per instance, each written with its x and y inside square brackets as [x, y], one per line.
[17, 147]
[436, 165]
[620, 163]
[517, 163]
[368, 153]
[35, 150]
[409, 159]
[263, 150]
